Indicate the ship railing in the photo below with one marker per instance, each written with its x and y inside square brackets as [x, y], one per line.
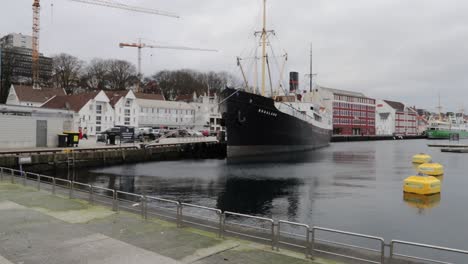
[278, 234]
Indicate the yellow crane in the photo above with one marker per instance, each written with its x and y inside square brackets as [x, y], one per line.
[141, 45]
[36, 26]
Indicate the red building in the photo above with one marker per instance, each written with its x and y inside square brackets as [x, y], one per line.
[353, 113]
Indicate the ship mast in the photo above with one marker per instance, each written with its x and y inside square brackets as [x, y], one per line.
[264, 40]
[311, 74]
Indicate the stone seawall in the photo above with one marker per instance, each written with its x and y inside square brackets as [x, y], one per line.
[53, 160]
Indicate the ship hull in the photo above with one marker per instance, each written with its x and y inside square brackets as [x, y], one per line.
[445, 134]
[254, 127]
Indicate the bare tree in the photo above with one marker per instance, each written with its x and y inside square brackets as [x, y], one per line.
[66, 71]
[96, 74]
[122, 74]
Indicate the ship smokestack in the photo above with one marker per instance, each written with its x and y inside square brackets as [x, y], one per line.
[293, 81]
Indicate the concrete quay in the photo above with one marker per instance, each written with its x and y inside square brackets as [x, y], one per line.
[37, 227]
[44, 159]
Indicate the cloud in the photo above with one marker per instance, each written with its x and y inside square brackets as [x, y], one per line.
[395, 49]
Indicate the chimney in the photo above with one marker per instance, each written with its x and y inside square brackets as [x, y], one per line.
[293, 81]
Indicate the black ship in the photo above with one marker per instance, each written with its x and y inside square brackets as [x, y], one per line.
[255, 126]
[283, 122]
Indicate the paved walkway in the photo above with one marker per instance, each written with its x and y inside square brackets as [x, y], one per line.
[36, 227]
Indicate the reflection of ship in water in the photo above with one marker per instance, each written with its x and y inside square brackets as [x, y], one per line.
[256, 196]
[290, 157]
[421, 202]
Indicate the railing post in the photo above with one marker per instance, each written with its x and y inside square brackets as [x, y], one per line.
[382, 248]
[117, 206]
[272, 234]
[25, 175]
[1, 174]
[179, 214]
[224, 225]
[38, 182]
[90, 198]
[12, 176]
[53, 186]
[70, 194]
[142, 205]
[114, 201]
[220, 233]
[312, 243]
[307, 246]
[390, 259]
[278, 236]
[146, 208]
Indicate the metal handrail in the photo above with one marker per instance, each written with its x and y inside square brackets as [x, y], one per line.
[335, 231]
[218, 212]
[306, 247]
[271, 221]
[275, 238]
[446, 249]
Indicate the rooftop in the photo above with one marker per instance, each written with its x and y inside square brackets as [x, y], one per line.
[344, 92]
[395, 105]
[148, 96]
[70, 102]
[28, 94]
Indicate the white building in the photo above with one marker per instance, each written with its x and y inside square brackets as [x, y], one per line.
[164, 114]
[28, 96]
[125, 108]
[30, 127]
[16, 40]
[94, 110]
[394, 118]
[207, 115]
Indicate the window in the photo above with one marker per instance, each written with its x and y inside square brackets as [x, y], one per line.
[89, 117]
[105, 118]
[98, 109]
[127, 121]
[90, 107]
[128, 102]
[98, 129]
[111, 118]
[127, 112]
[98, 121]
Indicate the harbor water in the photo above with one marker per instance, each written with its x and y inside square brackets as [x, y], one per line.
[355, 187]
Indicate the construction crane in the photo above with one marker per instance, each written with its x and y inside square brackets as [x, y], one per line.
[141, 45]
[35, 43]
[127, 7]
[36, 26]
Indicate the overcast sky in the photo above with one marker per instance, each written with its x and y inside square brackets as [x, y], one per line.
[405, 50]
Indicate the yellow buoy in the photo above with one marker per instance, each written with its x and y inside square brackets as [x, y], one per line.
[432, 169]
[425, 185]
[421, 158]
